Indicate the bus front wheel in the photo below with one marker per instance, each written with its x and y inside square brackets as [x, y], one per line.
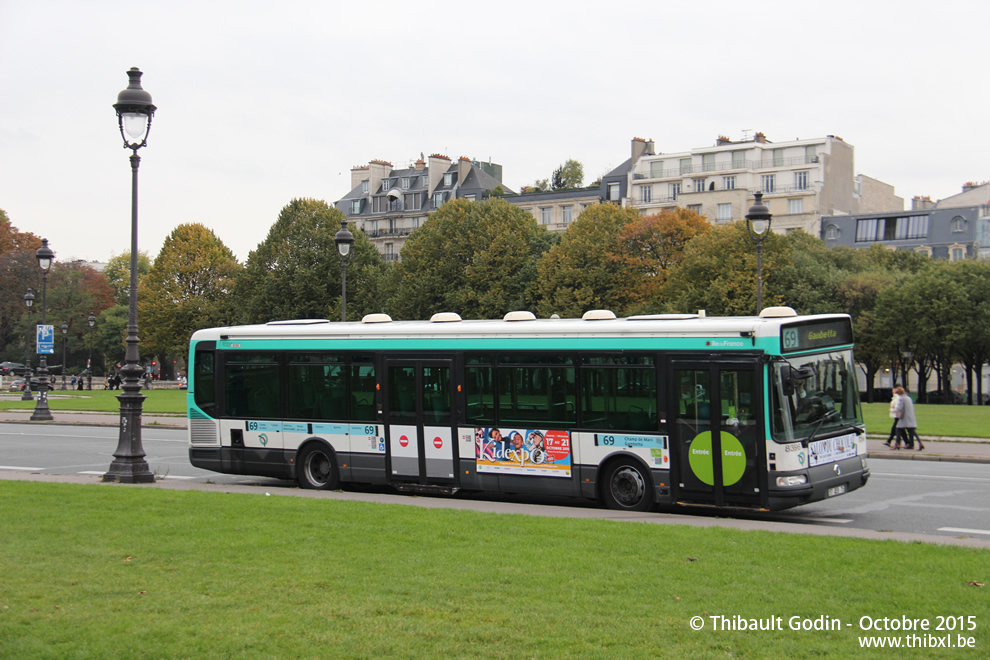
[316, 467]
[627, 487]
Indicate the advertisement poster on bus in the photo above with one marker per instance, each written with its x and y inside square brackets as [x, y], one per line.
[540, 452]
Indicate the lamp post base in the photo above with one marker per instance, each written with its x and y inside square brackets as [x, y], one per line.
[129, 466]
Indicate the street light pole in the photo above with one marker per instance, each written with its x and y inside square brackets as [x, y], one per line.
[89, 362]
[45, 257]
[134, 112]
[758, 223]
[344, 240]
[27, 395]
[65, 338]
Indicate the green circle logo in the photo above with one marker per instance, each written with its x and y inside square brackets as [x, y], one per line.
[733, 458]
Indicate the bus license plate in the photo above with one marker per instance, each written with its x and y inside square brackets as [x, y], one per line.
[836, 490]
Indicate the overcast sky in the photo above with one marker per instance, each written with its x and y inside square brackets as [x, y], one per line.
[263, 102]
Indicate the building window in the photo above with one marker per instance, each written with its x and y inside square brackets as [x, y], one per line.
[364, 186]
[448, 179]
[738, 160]
[469, 198]
[356, 206]
[437, 200]
[891, 229]
[568, 214]
[729, 182]
[958, 224]
[957, 252]
[795, 206]
[675, 190]
[413, 201]
[656, 169]
[695, 207]
[613, 192]
[405, 183]
[685, 165]
[385, 185]
[832, 233]
[925, 250]
[708, 162]
[767, 182]
[724, 213]
[546, 213]
[809, 154]
[801, 180]
[646, 194]
[699, 185]
[778, 157]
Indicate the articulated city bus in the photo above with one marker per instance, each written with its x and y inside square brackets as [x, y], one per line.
[752, 412]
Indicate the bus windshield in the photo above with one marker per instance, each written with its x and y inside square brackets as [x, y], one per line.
[814, 395]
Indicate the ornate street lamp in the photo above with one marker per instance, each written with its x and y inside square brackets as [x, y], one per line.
[89, 362]
[27, 395]
[45, 257]
[65, 338]
[134, 112]
[344, 240]
[758, 223]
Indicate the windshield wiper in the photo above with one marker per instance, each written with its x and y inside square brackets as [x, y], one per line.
[831, 415]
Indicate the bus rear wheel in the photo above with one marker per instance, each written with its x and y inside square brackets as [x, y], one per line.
[316, 468]
[627, 487]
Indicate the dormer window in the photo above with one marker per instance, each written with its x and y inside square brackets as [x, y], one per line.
[405, 183]
[448, 179]
[364, 187]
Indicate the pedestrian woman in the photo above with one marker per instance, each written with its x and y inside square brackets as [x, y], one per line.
[907, 426]
[894, 436]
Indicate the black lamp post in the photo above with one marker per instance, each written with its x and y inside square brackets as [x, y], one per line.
[134, 112]
[758, 223]
[65, 338]
[344, 240]
[45, 257]
[27, 395]
[89, 362]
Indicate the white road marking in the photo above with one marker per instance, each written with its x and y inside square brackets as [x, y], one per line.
[963, 530]
[19, 467]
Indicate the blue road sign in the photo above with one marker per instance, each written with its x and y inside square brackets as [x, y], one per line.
[46, 339]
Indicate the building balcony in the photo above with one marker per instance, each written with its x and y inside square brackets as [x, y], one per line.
[739, 166]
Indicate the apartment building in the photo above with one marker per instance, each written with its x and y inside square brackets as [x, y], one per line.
[954, 228]
[801, 180]
[388, 204]
[556, 209]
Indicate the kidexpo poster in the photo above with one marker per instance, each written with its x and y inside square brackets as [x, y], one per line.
[523, 451]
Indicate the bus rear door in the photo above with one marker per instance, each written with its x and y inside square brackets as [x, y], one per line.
[719, 440]
[419, 421]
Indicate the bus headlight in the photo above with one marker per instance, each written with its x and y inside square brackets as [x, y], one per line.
[791, 481]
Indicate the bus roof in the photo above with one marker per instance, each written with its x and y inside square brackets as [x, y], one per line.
[600, 323]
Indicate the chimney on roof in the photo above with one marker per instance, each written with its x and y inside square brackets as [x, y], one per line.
[641, 147]
[919, 203]
[761, 138]
[721, 140]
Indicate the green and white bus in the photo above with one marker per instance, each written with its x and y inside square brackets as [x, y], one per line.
[744, 412]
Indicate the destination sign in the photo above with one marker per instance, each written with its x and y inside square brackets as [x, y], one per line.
[810, 335]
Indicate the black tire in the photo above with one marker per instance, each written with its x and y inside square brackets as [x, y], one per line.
[627, 487]
[316, 468]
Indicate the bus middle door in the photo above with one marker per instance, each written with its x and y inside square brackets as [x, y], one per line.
[419, 421]
[717, 451]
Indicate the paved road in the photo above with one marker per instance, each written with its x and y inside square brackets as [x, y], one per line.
[941, 502]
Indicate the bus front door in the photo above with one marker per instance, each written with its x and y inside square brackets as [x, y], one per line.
[718, 442]
[419, 421]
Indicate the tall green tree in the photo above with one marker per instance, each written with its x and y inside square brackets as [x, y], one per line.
[118, 273]
[18, 271]
[585, 271]
[568, 175]
[296, 272]
[190, 286]
[474, 258]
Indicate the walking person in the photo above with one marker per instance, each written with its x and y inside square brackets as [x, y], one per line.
[894, 436]
[907, 425]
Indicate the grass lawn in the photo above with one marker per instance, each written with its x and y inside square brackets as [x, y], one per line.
[158, 401]
[933, 419]
[112, 571]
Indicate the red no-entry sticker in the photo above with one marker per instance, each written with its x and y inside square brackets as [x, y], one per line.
[438, 442]
[404, 441]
